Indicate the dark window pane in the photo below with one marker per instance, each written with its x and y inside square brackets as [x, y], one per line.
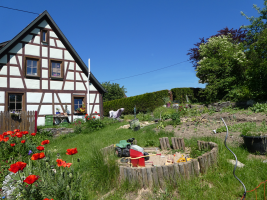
[44, 36]
[34, 63]
[12, 98]
[18, 106]
[29, 71]
[56, 69]
[34, 71]
[19, 97]
[11, 106]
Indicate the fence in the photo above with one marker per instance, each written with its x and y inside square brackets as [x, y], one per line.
[25, 121]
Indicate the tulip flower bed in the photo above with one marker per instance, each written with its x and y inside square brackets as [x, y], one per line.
[27, 172]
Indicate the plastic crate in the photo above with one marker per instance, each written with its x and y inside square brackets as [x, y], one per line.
[49, 120]
[49, 117]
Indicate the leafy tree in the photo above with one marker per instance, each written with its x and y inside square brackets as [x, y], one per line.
[238, 36]
[222, 65]
[258, 24]
[114, 91]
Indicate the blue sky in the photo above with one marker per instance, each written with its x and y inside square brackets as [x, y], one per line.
[129, 37]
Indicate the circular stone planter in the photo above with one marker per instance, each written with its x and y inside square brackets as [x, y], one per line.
[256, 143]
[157, 175]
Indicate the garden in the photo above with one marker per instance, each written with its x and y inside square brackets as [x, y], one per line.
[72, 166]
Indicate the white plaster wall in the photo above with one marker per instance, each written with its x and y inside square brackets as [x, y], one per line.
[80, 86]
[92, 88]
[44, 63]
[16, 83]
[36, 31]
[32, 50]
[78, 117]
[44, 84]
[44, 24]
[32, 84]
[40, 121]
[84, 77]
[44, 51]
[13, 60]
[52, 42]
[28, 38]
[78, 77]
[60, 44]
[65, 97]
[3, 71]
[52, 34]
[71, 66]
[46, 110]
[2, 97]
[3, 59]
[92, 98]
[47, 98]
[14, 71]
[16, 49]
[56, 85]
[2, 108]
[20, 61]
[69, 85]
[78, 68]
[34, 97]
[55, 53]
[67, 55]
[37, 40]
[96, 108]
[3, 82]
[45, 73]
[55, 99]
[70, 76]
[32, 107]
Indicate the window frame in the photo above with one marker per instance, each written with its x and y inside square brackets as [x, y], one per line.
[73, 103]
[15, 93]
[46, 35]
[25, 67]
[61, 66]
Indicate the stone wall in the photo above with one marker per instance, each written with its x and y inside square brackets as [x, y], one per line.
[57, 131]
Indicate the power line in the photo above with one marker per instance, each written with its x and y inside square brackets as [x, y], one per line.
[19, 10]
[149, 71]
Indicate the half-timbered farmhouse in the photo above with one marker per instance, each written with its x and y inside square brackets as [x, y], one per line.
[40, 71]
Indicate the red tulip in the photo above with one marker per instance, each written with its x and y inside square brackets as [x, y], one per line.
[13, 144]
[33, 134]
[25, 132]
[45, 142]
[40, 148]
[31, 179]
[23, 141]
[72, 151]
[19, 134]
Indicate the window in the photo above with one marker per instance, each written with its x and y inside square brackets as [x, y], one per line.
[32, 67]
[79, 101]
[56, 68]
[15, 102]
[44, 36]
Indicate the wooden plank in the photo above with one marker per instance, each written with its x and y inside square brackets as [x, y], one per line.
[167, 143]
[134, 175]
[166, 172]
[129, 174]
[190, 169]
[121, 174]
[161, 144]
[155, 176]
[161, 177]
[212, 159]
[164, 143]
[173, 143]
[198, 144]
[182, 171]
[196, 167]
[176, 143]
[182, 142]
[186, 169]
[206, 145]
[172, 174]
[125, 174]
[201, 160]
[208, 159]
[144, 174]
[139, 176]
[149, 177]
[177, 174]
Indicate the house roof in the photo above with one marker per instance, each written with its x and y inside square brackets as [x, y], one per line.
[6, 46]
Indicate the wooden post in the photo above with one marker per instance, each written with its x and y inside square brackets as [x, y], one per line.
[173, 143]
[206, 145]
[212, 159]
[179, 143]
[165, 172]
[198, 144]
[186, 169]
[155, 176]
[176, 143]
[201, 164]
[177, 172]
[125, 174]
[121, 174]
[196, 167]
[139, 176]
[129, 173]
[35, 120]
[161, 140]
[144, 174]
[181, 169]
[149, 176]
[167, 143]
[182, 142]
[208, 159]
[172, 174]
[134, 175]
[161, 177]
[190, 168]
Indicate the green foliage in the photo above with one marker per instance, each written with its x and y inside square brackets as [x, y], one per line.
[78, 124]
[143, 117]
[149, 143]
[114, 91]
[222, 67]
[259, 107]
[163, 111]
[166, 100]
[93, 124]
[195, 152]
[192, 93]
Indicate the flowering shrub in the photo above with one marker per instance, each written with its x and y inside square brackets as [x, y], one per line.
[93, 124]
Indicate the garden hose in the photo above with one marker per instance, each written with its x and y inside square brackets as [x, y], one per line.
[245, 192]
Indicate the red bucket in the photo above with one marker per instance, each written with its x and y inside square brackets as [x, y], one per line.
[137, 162]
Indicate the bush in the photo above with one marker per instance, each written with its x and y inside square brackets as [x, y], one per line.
[163, 111]
[94, 124]
[259, 107]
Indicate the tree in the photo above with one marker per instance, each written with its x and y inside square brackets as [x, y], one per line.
[222, 65]
[238, 36]
[258, 24]
[114, 91]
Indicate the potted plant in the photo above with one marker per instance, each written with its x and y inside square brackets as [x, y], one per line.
[255, 139]
[167, 101]
[57, 109]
